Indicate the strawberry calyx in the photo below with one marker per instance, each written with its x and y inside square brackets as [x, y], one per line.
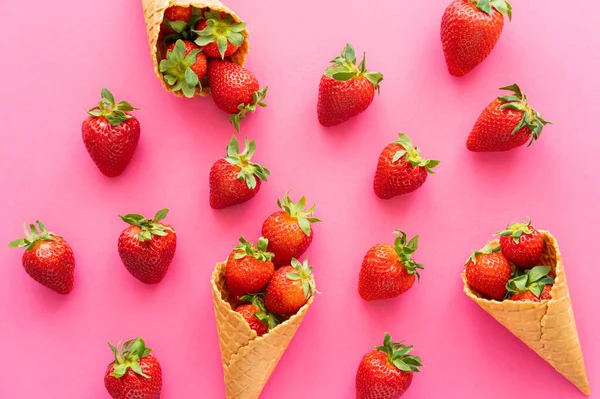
[534, 280]
[248, 171]
[258, 100]
[502, 6]
[115, 114]
[531, 118]
[32, 236]
[398, 354]
[405, 250]
[128, 357]
[298, 211]
[412, 154]
[268, 318]
[222, 30]
[516, 230]
[487, 250]
[177, 70]
[181, 28]
[304, 274]
[345, 68]
[148, 227]
[246, 248]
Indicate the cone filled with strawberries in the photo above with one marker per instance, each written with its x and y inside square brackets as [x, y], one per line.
[520, 280]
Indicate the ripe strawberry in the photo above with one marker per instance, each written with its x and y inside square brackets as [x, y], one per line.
[134, 373]
[290, 288]
[248, 269]
[507, 123]
[234, 179]
[345, 89]
[522, 244]
[219, 36]
[530, 285]
[184, 67]
[147, 246]
[389, 270]
[111, 134]
[234, 90]
[48, 258]
[401, 169]
[387, 371]
[256, 315]
[470, 30]
[488, 272]
[176, 18]
[289, 231]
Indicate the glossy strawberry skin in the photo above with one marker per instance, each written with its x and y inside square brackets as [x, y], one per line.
[248, 312]
[230, 85]
[132, 385]
[468, 35]
[110, 147]
[530, 296]
[527, 252]
[148, 261]
[378, 378]
[225, 187]
[284, 296]
[52, 264]
[341, 100]
[247, 275]
[211, 49]
[199, 67]
[396, 178]
[382, 275]
[178, 13]
[489, 274]
[286, 238]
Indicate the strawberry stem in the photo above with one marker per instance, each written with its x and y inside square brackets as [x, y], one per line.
[128, 357]
[148, 227]
[531, 118]
[345, 68]
[258, 99]
[114, 113]
[298, 211]
[248, 171]
[397, 353]
[32, 236]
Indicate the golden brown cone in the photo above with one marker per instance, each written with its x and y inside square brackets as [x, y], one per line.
[154, 11]
[547, 327]
[248, 360]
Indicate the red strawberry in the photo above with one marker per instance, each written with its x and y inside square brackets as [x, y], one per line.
[470, 30]
[401, 169]
[387, 371]
[48, 258]
[178, 13]
[134, 373]
[531, 285]
[290, 288]
[147, 246]
[289, 231]
[234, 179]
[488, 271]
[389, 270]
[345, 89]
[184, 67]
[522, 244]
[234, 90]
[507, 123]
[256, 315]
[220, 36]
[248, 269]
[111, 134]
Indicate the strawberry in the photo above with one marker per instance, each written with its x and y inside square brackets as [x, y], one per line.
[184, 67]
[289, 231]
[147, 246]
[530, 285]
[111, 134]
[387, 371]
[290, 288]
[345, 89]
[256, 315]
[220, 36]
[48, 258]
[234, 90]
[488, 271]
[522, 244]
[470, 30]
[249, 269]
[134, 373]
[234, 179]
[388, 270]
[401, 169]
[176, 18]
[507, 123]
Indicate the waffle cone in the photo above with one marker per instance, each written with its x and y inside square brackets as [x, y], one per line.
[547, 327]
[248, 360]
[153, 14]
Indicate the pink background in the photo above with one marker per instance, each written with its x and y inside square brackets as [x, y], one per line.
[58, 55]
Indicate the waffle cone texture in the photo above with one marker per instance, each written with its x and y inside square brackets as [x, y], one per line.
[547, 327]
[248, 360]
[154, 11]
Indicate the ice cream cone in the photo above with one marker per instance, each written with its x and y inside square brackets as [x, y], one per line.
[248, 360]
[547, 327]
[154, 13]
